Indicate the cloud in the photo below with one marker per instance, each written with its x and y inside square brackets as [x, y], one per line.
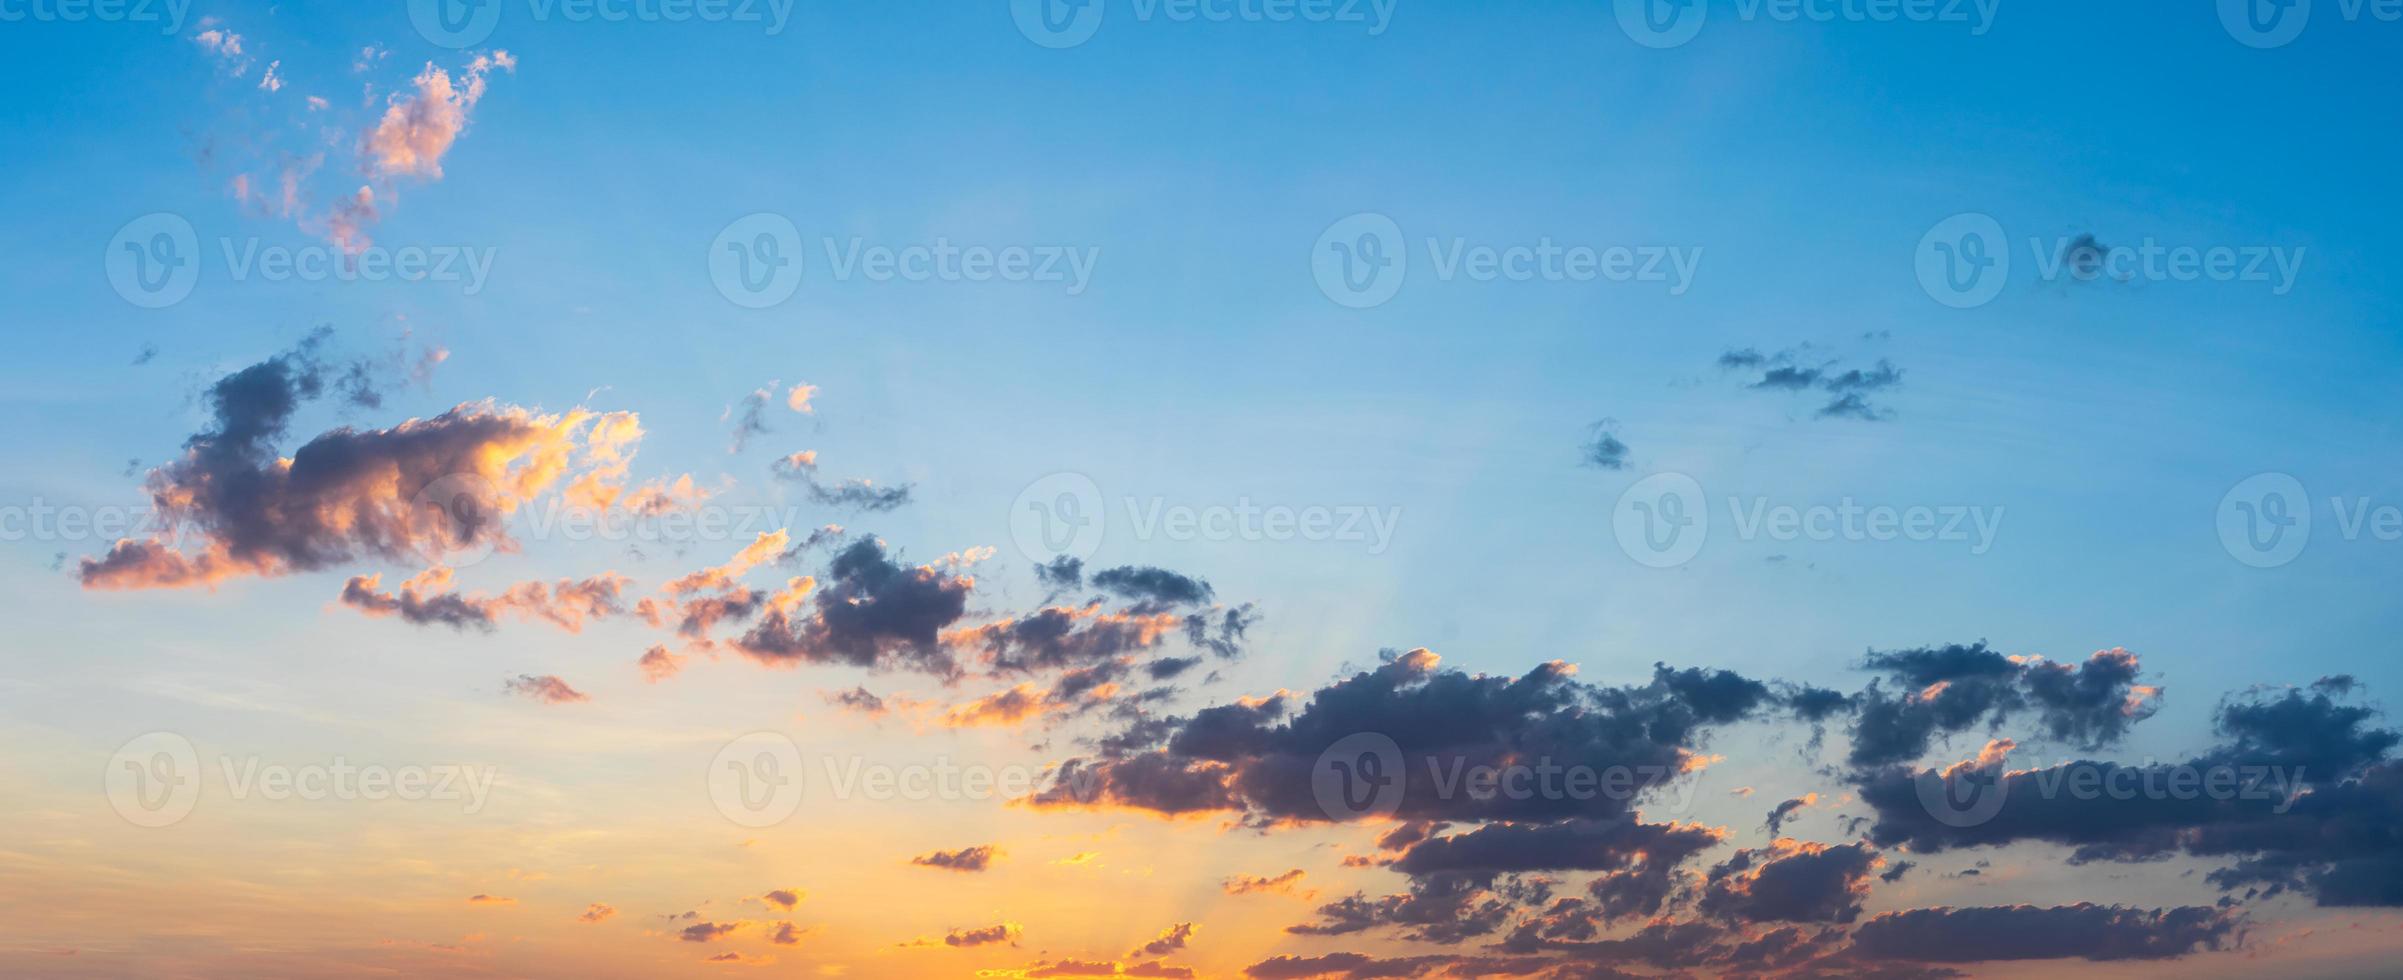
[425, 599]
[1006, 932]
[1256, 884]
[659, 664]
[2302, 782]
[798, 398]
[976, 858]
[708, 932]
[871, 611]
[1247, 758]
[481, 899]
[596, 912]
[546, 688]
[1848, 389]
[419, 126]
[1791, 881]
[2026, 932]
[751, 417]
[414, 492]
[1170, 940]
[783, 898]
[1952, 688]
[860, 495]
[1602, 449]
[1786, 810]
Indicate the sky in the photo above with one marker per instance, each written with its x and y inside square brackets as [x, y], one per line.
[1025, 488]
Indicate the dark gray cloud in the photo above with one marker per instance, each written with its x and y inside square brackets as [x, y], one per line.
[1602, 448]
[972, 859]
[2026, 932]
[867, 611]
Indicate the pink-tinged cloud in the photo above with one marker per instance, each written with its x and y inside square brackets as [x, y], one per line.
[420, 126]
[546, 688]
[426, 600]
[596, 912]
[658, 664]
[416, 492]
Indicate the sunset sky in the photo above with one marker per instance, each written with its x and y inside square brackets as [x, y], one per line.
[1021, 488]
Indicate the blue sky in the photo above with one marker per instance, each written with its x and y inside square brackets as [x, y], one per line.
[1199, 163]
